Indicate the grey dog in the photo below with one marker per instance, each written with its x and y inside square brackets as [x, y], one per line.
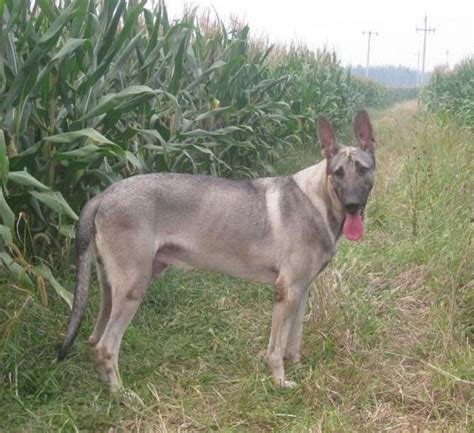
[281, 231]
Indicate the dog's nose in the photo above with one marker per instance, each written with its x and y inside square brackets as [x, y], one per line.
[352, 207]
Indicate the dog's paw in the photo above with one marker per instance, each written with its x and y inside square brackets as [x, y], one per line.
[286, 384]
[289, 384]
[129, 399]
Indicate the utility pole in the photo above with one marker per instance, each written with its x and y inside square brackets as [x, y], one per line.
[418, 54]
[425, 30]
[369, 33]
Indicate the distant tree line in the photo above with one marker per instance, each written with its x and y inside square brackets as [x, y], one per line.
[391, 76]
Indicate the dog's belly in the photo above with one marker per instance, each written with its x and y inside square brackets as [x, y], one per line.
[251, 266]
[256, 270]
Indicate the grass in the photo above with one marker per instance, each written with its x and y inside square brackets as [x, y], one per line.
[386, 342]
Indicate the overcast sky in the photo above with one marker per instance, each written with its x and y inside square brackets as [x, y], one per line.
[339, 25]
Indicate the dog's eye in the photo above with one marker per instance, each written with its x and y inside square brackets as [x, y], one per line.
[339, 173]
[362, 170]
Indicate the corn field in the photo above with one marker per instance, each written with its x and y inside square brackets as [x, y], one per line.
[377, 95]
[451, 93]
[94, 91]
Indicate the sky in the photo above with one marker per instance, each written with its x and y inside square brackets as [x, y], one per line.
[339, 25]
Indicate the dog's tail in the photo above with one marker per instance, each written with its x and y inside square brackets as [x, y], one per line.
[85, 232]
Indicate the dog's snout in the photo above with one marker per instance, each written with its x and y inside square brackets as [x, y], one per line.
[352, 206]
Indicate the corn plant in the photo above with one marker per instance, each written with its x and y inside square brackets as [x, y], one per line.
[451, 93]
[318, 84]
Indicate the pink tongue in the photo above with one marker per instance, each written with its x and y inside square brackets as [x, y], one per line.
[353, 227]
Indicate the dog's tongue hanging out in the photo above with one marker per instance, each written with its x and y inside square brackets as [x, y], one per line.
[353, 226]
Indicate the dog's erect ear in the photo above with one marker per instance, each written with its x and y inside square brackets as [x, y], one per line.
[326, 137]
[363, 131]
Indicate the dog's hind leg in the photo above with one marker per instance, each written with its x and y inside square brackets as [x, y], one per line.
[104, 311]
[127, 297]
[105, 303]
[127, 270]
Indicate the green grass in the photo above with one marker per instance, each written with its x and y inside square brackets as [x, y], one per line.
[386, 342]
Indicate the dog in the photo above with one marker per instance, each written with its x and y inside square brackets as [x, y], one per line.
[280, 230]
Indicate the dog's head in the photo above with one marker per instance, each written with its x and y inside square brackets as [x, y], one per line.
[350, 170]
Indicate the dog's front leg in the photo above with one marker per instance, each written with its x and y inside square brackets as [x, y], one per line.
[287, 301]
[293, 345]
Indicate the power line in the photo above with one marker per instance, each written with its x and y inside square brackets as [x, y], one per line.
[369, 33]
[425, 30]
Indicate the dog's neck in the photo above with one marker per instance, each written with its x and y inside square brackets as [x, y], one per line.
[314, 182]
